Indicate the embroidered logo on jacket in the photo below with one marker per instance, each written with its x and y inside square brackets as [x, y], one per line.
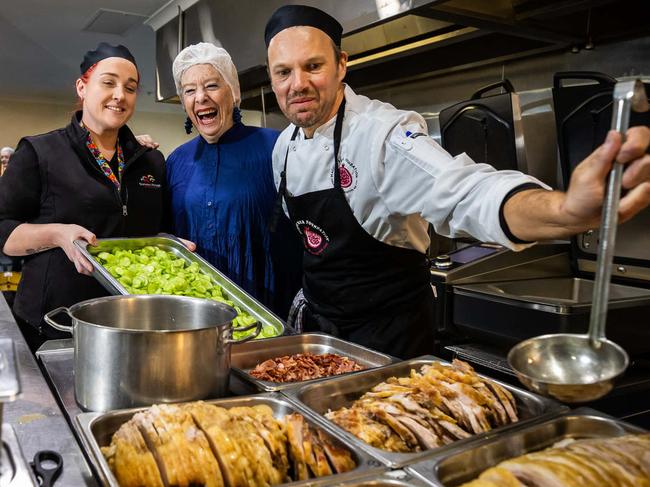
[148, 181]
[314, 237]
[348, 173]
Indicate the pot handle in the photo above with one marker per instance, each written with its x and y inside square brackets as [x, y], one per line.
[48, 319]
[258, 329]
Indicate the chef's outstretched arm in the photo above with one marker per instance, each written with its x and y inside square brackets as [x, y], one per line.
[538, 214]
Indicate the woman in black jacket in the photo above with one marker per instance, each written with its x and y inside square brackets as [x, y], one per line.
[90, 179]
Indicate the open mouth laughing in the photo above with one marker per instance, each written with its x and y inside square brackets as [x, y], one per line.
[207, 116]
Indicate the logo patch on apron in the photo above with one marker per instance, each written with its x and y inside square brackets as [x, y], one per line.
[348, 173]
[314, 238]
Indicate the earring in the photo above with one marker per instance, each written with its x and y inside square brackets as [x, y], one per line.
[236, 115]
[188, 126]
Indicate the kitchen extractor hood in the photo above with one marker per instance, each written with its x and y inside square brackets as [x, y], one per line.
[389, 40]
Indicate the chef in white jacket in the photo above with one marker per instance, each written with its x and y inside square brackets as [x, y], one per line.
[361, 180]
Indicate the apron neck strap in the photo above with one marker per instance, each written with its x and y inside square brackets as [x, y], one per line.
[338, 128]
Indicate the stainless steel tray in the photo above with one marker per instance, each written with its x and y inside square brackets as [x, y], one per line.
[462, 465]
[231, 290]
[246, 356]
[392, 478]
[98, 428]
[342, 391]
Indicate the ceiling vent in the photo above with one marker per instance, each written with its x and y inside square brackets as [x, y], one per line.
[106, 21]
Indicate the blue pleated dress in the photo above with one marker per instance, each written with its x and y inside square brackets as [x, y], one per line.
[221, 196]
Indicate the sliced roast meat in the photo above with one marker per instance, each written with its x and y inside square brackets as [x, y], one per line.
[339, 458]
[294, 423]
[128, 456]
[435, 406]
[582, 463]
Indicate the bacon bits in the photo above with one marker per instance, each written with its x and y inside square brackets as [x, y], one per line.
[304, 366]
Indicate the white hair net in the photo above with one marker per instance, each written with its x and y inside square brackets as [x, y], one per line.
[206, 53]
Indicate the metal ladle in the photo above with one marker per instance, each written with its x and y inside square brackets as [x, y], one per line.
[580, 368]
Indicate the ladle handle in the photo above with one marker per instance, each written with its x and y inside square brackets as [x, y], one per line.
[608, 226]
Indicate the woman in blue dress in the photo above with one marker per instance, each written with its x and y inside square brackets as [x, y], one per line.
[221, 189]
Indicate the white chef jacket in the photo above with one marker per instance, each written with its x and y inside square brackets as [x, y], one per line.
[397, 178]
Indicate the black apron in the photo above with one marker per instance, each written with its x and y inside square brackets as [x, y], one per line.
[358, 288]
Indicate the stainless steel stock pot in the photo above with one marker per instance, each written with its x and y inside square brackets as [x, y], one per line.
[138, 350]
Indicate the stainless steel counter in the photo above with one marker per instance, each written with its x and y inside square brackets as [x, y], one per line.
[35, 416]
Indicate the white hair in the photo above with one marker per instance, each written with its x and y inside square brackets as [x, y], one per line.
[7, 149]
[206, 53]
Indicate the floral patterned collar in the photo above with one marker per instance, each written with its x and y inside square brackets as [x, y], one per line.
[104, 164]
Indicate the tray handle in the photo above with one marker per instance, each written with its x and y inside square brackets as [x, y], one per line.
[601, 78]
[505, 84]
[258, 329]
[48, 319]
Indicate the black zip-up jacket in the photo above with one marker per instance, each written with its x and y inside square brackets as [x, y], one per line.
[53, 178]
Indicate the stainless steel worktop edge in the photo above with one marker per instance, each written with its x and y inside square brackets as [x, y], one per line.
[36, 417]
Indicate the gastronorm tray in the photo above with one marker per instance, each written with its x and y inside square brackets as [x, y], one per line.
[245, 356]
[462, 465]
[230, 290]
[340, 392]
[391, 478]
[97, 430]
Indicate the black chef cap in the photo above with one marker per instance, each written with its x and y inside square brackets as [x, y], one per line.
[103, 51]
[297, 15]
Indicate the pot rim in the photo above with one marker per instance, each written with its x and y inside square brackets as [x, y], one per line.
[93, 301]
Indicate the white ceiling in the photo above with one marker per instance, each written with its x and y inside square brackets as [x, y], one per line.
[42, 44]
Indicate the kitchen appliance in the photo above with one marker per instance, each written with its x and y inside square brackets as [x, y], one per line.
[583, 114]
[139, 350]
[487, 128]
[580, 368]
[14, 471]
[504, 312]
[482, 263]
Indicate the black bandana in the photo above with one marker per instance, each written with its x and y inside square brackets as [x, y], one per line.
[103, 51]
[296, 15]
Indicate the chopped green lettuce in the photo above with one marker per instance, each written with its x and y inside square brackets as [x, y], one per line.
[151, 270]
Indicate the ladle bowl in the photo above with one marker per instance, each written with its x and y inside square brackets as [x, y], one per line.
[567, 366]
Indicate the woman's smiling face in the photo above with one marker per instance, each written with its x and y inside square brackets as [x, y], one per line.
[207, 100]
[109, 94]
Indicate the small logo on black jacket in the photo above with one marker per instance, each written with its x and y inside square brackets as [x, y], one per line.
[148, 181]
